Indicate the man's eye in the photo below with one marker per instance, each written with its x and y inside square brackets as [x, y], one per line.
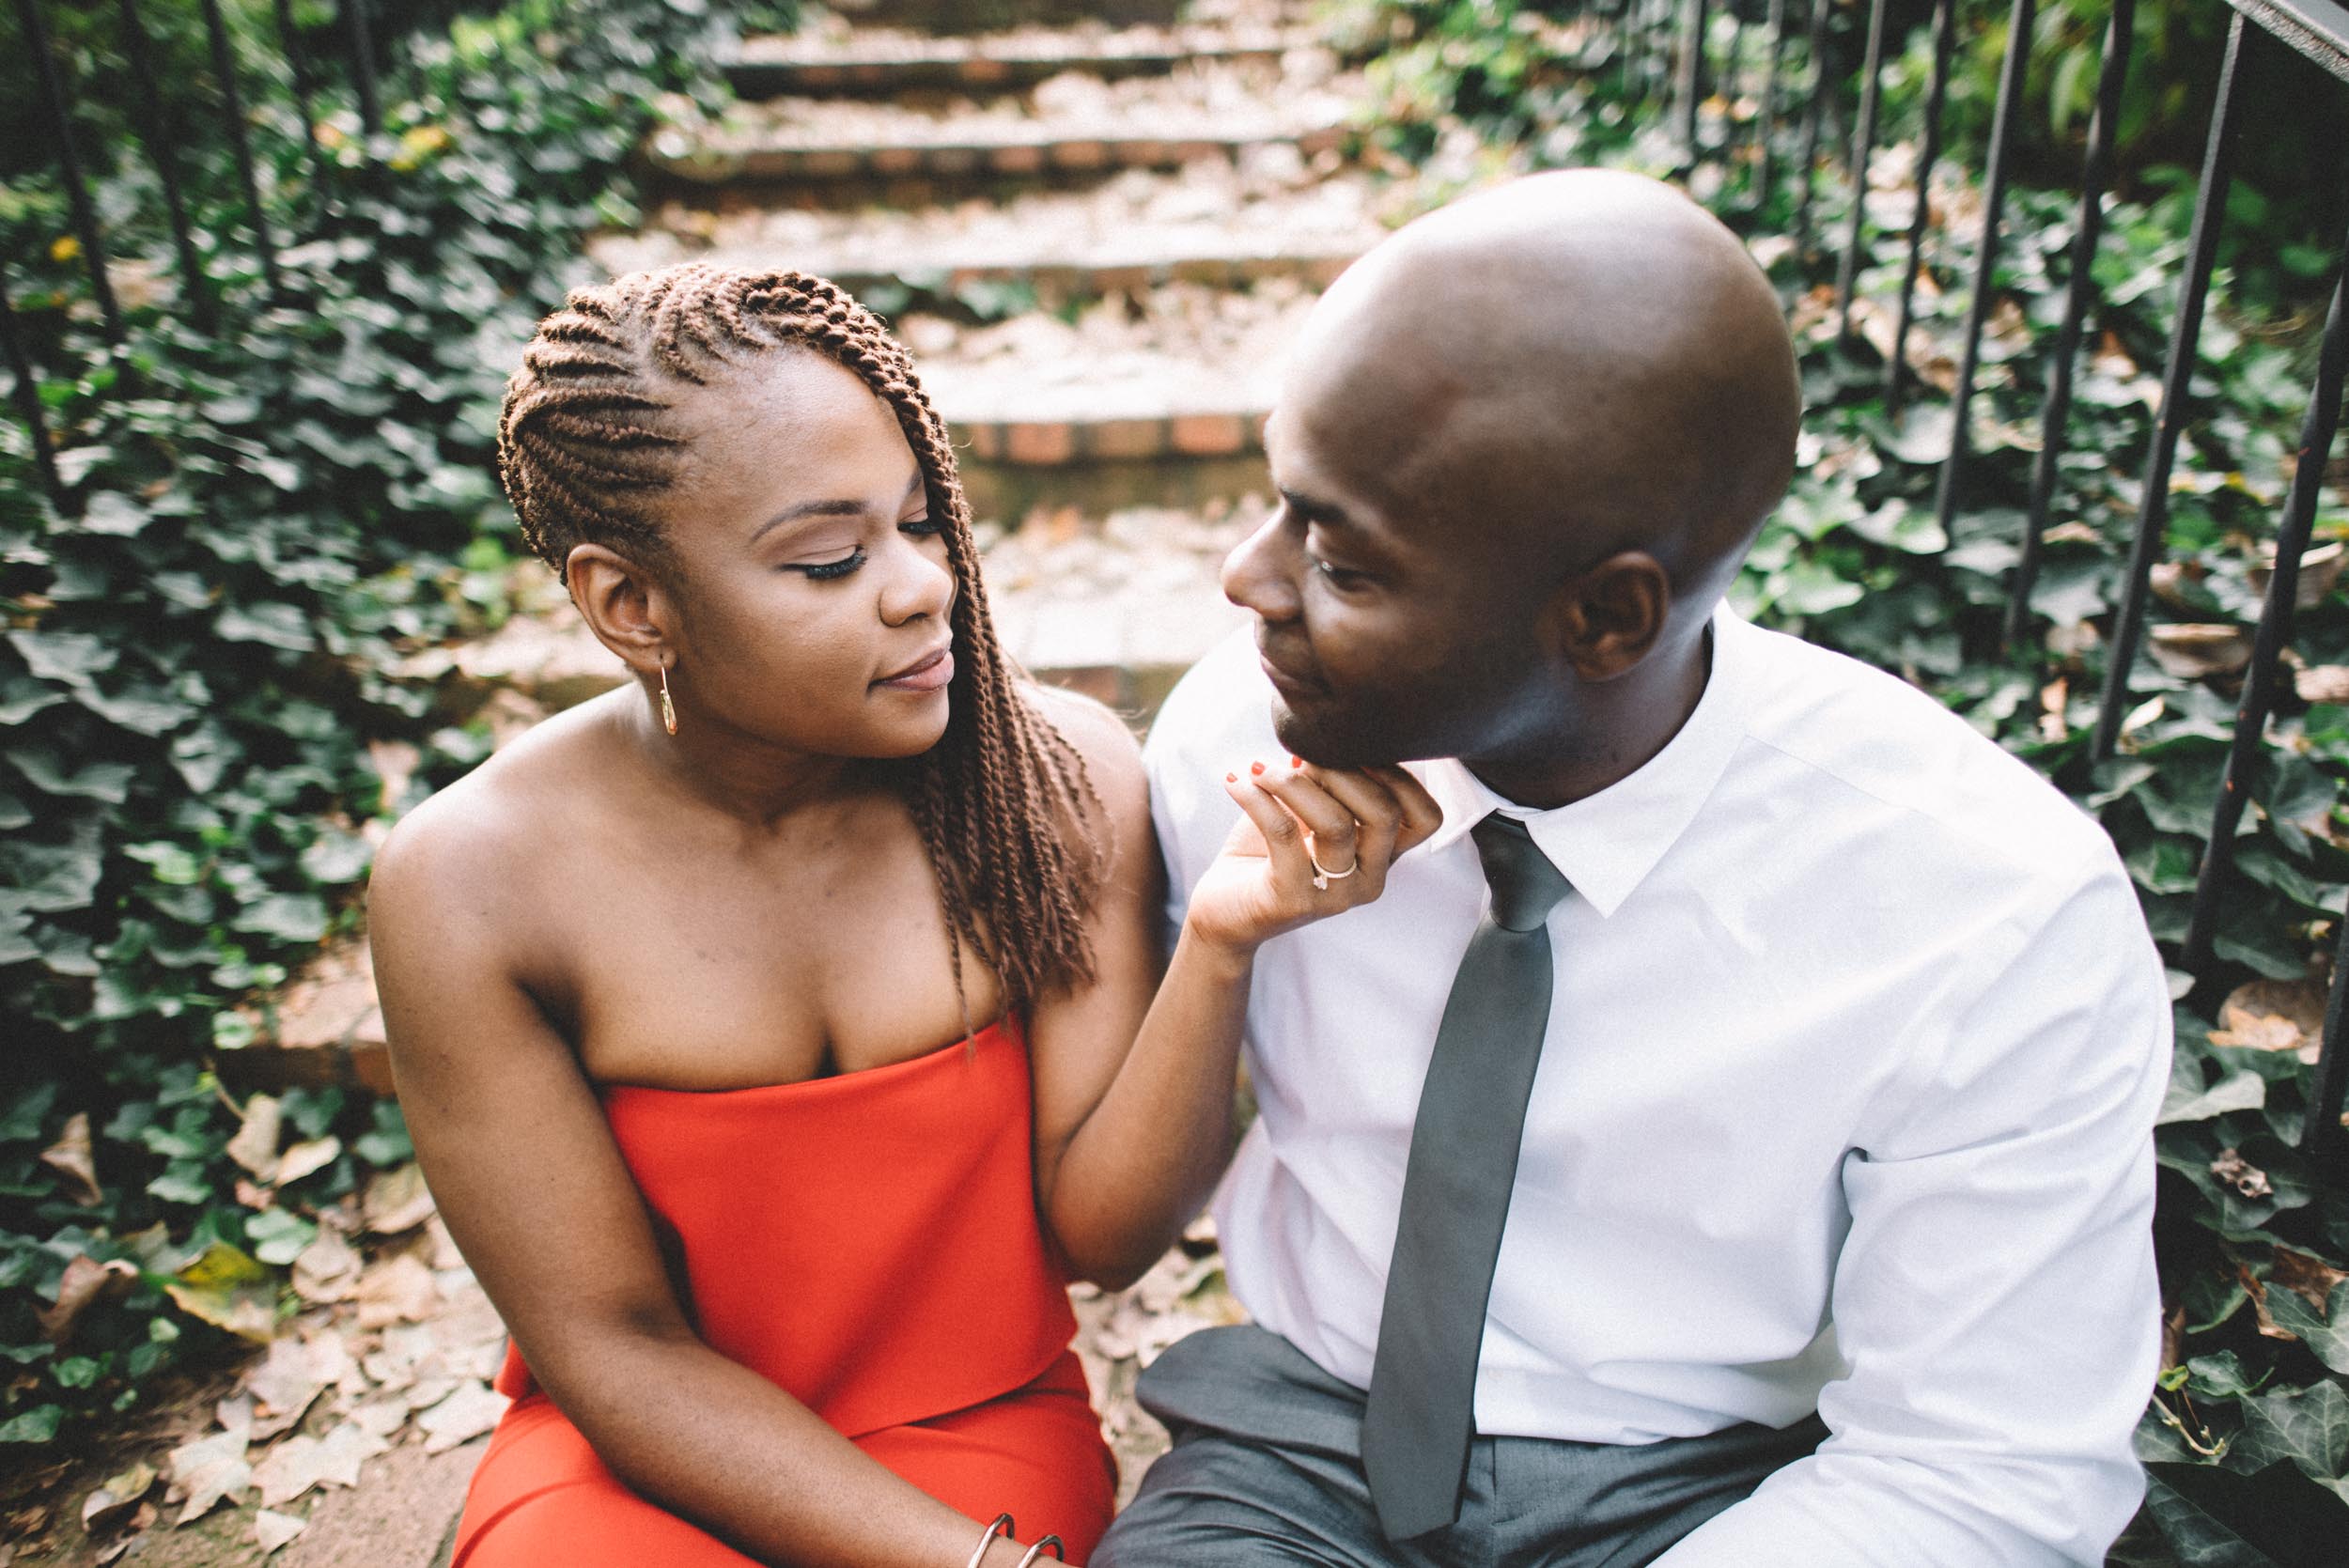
[1340, 577]
[824, 571]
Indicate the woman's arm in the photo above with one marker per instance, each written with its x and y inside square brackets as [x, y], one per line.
[526, 1174]
[1134, 1074]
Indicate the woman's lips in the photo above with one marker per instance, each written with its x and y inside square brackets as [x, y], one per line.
[930, 672]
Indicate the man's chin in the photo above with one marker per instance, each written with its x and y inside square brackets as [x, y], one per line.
[1326, 743]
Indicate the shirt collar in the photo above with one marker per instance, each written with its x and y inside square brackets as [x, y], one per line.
[1606, 843]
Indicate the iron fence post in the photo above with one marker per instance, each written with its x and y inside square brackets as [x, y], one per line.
[156, 128]
[240, 144]
[1862, 148]
[1814, 115]
[1765, 114]
[2317, 430]
[2210, 206]
[1985, 264]
[86, 229]
[27, 392]
[362, 45]
[289, 42]
[2095, 172]
[1944, 43]
[1691, 85]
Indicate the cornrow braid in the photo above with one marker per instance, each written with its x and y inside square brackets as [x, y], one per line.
[1003, 802]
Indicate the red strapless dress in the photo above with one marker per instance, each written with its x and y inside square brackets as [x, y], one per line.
[868, 1243]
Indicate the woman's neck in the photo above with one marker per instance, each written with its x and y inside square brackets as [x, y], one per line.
[752, 783]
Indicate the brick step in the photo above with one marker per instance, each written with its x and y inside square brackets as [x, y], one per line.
[1181, 372]
[957, 158]
[1273, 214]
[884, 62]
[1067, 128]
[1117, 608]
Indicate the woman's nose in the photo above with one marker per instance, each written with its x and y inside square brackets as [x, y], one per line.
[921, 582]
[1260, 574]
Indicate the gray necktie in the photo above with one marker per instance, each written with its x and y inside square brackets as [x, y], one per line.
[1455, 1193]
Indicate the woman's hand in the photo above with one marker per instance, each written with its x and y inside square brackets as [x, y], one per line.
[1354, 823]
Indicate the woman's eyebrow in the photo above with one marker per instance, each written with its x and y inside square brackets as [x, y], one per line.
[834, 507]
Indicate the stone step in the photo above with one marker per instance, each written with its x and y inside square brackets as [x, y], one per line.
[1183, 371]
[1271, 214]
[1071, 127]
[886, 61]
[1117, 608]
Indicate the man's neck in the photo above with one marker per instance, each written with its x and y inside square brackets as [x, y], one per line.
[1620, 728]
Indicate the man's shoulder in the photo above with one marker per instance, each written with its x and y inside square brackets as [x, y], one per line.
[1865, 731]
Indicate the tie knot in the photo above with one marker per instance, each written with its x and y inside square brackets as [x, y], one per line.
[1526, 887]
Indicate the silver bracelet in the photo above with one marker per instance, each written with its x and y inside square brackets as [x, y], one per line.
[1001, 1526]
[1037, 1550]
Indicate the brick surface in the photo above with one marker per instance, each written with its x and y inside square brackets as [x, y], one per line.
[1208, 435]
[1042, 443]
[1125, 439]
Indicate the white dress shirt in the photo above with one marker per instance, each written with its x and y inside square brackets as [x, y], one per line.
[1846, 1104]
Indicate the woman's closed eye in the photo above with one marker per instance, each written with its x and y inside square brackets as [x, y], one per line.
[825, 571]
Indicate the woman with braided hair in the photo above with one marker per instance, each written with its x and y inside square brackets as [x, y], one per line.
[781, 1030]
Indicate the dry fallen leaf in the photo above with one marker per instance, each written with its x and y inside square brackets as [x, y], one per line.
[304, 1160]
[284, 1386]
[327, 1269]
[2323, 683]
[2190, 650]
[117, 1498]
[85, 1280]
[2320, 574]
[229, 1289]
[2313, 1278]
[397, 1290]
[299, 1464]
[210, 1469]
[397, 1200]
[2246, 1178]
[463, 1415]
[384, 1418]
[71, 1155]
[272, 1529]
[254, 1147]
[2273, 1015]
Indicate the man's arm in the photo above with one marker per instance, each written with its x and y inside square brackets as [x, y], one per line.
[1995, 1300]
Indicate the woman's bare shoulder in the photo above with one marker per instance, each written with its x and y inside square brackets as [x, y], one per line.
[478, 844]
[1112, 756]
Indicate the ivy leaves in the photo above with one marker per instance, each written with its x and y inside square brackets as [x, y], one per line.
[197, 648]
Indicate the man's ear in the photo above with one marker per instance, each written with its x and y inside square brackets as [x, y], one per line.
[630, 609]
[1605, 619]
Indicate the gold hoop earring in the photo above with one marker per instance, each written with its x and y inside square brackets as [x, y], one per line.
[668, 709]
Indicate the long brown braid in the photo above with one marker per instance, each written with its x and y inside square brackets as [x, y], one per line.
[1004, 803]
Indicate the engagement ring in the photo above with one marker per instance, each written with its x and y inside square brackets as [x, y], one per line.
[1322, 875]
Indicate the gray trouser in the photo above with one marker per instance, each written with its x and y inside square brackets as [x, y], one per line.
[1266, 1469]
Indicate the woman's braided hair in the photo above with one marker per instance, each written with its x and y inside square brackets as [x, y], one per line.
[586, 447]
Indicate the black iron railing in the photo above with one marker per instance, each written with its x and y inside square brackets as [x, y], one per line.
[164, 131]
[2304, 35]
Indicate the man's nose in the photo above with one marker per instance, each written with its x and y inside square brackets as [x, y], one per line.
[1260, 575]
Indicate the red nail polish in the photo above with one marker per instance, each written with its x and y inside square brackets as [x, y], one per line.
[1294, 763]
[1230, 778]
[1255, 768]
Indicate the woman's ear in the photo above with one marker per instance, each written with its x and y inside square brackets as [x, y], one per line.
[1605, 618]
[630, 609]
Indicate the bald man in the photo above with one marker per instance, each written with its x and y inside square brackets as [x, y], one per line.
[1728, 1141]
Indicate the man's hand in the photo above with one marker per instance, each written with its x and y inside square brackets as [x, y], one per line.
[1353, 823]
